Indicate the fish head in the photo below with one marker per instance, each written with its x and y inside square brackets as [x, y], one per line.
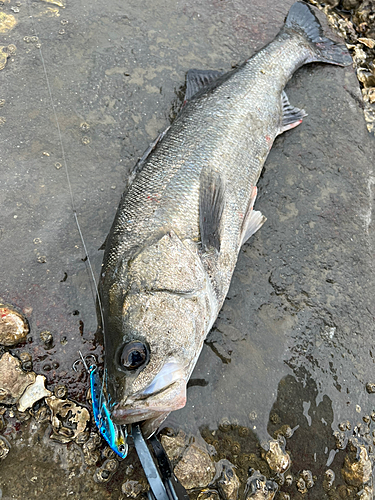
[151, 347]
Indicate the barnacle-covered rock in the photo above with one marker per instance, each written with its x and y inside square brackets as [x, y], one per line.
[277, 458]
[228, 483]
[258, 487]
[195, 469]
[33, 393]
[131, 489]
[68, 419]
[90, 451]
[106, 471]
[13, 380]
[175, 446]
[357, 469]
[13, 326]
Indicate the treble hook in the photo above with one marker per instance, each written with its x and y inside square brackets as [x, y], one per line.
[84, 361]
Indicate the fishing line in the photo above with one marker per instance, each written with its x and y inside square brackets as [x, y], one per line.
[87, 258]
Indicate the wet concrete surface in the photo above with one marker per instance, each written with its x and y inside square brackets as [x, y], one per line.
[293, 343]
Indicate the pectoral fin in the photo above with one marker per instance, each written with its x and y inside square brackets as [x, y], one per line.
[211, 206]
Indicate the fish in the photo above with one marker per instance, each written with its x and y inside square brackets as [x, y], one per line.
[173, 245]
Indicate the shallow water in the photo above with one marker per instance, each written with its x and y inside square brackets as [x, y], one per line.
[293, 342]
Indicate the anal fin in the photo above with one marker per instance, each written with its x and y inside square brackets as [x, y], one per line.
[253, 219]
[211, 206]
[292, 116]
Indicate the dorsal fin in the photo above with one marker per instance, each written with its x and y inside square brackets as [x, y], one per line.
[197, 79]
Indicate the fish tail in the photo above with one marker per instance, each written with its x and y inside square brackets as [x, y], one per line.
[302, 20]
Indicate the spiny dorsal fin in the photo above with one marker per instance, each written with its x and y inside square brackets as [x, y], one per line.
[197, 79]
[291, 116]
[211, 206]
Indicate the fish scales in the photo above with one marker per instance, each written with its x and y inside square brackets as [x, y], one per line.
[196, 140]
[173, 246]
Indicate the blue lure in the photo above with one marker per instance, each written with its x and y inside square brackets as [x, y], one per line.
[115, 435]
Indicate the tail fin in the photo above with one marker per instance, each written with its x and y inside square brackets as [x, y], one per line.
[302, 19]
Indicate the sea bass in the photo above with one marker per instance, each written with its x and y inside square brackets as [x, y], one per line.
[174, 243]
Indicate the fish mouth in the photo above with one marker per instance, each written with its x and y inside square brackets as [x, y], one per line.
[151, 407]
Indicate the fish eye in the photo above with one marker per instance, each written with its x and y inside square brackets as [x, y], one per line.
[134, 354]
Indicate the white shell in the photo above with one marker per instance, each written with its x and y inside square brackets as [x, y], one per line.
[33, 393]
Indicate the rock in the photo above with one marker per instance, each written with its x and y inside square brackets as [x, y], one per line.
[68, 419]
[13, 380]
[357, 469]
[175, 446]
[228, 483]
[33, 393]
[13, 327]
[195, 469]
[258, 487]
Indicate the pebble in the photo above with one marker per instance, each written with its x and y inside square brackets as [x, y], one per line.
[13, 327]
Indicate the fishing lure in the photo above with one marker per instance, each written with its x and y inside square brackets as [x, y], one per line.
[115, 435]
